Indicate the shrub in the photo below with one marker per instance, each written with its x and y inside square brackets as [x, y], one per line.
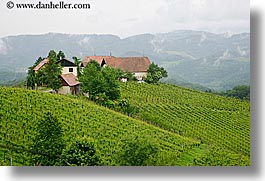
[81, 153]
[137, 152]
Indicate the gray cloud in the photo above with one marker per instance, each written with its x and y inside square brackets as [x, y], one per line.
[129, 17]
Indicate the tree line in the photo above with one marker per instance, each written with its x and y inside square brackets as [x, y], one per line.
[240, 92]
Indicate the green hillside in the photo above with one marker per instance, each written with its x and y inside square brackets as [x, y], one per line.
[214, 120]
[189, 127]
[21, 109]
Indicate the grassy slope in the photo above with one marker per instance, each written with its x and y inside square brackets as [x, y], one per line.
[20, 109]
[215, 120]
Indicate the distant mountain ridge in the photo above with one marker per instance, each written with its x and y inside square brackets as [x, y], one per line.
[217, 61]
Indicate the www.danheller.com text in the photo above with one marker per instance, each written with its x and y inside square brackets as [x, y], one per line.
[47, 5]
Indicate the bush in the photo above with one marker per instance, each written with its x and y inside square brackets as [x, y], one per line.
[137, 152]
[127, 108]
[81, 153]
[48, 141]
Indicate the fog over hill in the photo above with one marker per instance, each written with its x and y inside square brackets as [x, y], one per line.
[217, 61]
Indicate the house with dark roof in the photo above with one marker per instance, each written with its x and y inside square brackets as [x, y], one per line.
[68, 78]
[67, 65]
[70, 85]
[136, 65]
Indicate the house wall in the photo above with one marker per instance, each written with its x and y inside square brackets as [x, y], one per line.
[140, 75]
[64, 90]
[69, 90]
[66, 70]
[75, 89]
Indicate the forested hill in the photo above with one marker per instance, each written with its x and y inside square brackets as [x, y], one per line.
[216, 61]
[186, 127]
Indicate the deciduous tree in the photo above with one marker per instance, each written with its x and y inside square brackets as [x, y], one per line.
[92, 80]
[96, 81]
[112, 85]
[155, 73]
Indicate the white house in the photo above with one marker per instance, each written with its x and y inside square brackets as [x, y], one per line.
[68, 78]
[68, 67]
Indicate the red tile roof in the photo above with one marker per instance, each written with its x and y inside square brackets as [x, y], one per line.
[131, 64]
[43, 62]
[70, 79]
[98, 59]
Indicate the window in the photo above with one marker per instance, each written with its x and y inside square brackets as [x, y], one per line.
[71, 69]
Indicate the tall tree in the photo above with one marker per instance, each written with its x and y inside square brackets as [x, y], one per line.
[112, 85]
[92, 80]
[100, 81]
[52, 71]
[32, 79]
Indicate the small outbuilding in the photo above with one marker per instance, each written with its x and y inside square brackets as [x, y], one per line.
[69, 84]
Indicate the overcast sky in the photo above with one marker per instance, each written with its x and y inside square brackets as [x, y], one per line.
[128, 17]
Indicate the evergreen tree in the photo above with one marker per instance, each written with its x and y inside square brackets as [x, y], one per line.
[60, 55]
[32, 79]
[52, 71]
